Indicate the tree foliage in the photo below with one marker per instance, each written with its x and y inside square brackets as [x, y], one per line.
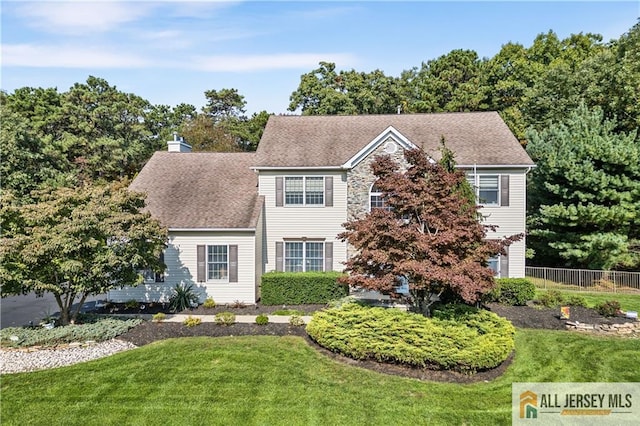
[584, 206]
[77, 242]
[430, 234]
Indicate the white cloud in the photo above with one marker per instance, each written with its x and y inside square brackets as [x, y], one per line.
[41, 56]
[82, 16]
[244, 63]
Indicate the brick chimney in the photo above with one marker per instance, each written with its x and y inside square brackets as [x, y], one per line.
[178, 144]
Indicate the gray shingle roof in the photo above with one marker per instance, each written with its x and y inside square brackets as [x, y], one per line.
[480, 138]
[201, 190]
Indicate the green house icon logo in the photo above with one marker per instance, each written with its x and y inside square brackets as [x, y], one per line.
[528, 405]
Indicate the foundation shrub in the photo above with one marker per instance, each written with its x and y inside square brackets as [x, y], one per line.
[262, 319]
[301, 288]
[462, 338]
[192, 321]
[225, 318]
[512, 291]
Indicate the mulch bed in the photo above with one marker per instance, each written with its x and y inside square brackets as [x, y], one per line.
[520, 316]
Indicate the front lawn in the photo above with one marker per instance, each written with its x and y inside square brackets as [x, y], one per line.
[282, 380]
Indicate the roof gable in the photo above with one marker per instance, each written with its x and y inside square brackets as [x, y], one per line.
[388, 133]
[480, 138]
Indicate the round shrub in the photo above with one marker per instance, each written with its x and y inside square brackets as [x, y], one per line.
[462, 339]
[296, 320]
[209, 303]
[512, 291]
[262, 319]
[551, 299]
[609, 308]
[192, 321]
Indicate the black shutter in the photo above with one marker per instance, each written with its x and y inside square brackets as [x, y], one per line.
[279, 191]
[328, 191]
[504, 190]
[328, 256]
[202, 270]
[233, 264]
[504, 264]
[279, 256]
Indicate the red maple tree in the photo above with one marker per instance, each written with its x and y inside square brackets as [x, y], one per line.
[429, 234]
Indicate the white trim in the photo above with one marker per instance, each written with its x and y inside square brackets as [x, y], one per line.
[476, 188]
[389, 132]
[304, 191]
[212, 229]
[303, 168]
[495, 166]
[206, 264]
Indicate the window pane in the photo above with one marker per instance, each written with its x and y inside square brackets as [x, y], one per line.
[217, 265]
[494, 265]
[314, 256]
[293, 257]
[488, 192]
[293, 193]
[314, 193]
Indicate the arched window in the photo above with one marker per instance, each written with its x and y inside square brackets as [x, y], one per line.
[376, 200]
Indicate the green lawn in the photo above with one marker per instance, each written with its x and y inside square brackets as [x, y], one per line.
[267, 380]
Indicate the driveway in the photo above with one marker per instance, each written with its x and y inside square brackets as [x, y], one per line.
[16, 311]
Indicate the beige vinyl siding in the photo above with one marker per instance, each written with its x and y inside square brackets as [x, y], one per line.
[313, 222]
[511, 219]
[181, 260]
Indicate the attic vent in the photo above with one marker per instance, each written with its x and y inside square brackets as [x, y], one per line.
[390, 147]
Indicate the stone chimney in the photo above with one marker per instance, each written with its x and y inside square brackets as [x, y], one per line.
[178, 144]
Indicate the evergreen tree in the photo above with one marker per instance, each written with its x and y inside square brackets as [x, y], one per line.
[584, 195]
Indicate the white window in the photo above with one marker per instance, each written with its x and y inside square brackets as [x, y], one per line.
[494, 264]
[486, 188]
[303, 256]
[217, 263]
[304, 190]
[376, 200]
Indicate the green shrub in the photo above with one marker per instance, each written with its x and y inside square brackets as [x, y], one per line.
[609, 308]
[131, 304]
[209, 303]
[183, 297]
[100, 330]
[296, 320]
[300, 288]
[512, 291]
[575, 300]
[262, 319]
[551, 299]
[225, 318]
[159, 317]
[287, 312]
[461, 338]
[192, 321]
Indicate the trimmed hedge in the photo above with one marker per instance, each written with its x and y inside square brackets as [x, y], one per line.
[512, 291]
[301, 288]
[462, 339]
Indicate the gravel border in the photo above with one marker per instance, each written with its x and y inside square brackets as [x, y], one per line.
[24, 360]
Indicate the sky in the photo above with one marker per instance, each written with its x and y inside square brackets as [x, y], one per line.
[172, 52]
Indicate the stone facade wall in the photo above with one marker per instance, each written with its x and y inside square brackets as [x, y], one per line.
[361, 178]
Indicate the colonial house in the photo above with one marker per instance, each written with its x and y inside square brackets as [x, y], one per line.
[234, 216]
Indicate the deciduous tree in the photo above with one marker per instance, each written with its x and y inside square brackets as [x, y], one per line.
[77, 242]
[429, 234]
